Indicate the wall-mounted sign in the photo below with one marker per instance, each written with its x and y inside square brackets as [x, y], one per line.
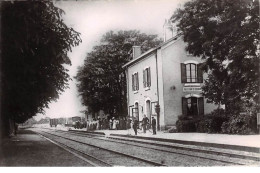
[191, 89]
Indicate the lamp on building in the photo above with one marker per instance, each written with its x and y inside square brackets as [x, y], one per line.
[173, 87]
[157, 110]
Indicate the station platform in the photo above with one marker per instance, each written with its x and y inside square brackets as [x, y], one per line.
[28, 149]
[239, 142]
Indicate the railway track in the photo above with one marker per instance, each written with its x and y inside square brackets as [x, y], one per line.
[224, 157]
[99, 156]
[164, 150]
[91, 160]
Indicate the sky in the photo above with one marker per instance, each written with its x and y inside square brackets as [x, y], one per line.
[93, 18]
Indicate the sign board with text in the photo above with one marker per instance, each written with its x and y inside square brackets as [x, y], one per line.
[191, 89]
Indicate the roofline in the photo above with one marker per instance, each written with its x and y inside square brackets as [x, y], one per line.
[149, 52]
[142, 56]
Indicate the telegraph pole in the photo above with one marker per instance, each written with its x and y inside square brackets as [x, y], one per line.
[258, 104]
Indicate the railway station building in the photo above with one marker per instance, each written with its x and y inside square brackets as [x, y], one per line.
[168, 76]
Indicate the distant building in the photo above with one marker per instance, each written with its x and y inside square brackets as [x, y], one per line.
[166, 75]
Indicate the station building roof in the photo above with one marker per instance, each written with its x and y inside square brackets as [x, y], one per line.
[149, 52]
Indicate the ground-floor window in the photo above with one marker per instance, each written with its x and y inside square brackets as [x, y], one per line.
[193, 106]
[130, 111]
[148, 109]
[135, 111]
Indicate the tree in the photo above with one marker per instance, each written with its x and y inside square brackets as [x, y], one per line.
[102, 83]
[226, 34]
[35, 42]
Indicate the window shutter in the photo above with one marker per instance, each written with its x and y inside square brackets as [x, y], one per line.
[144, 78]
[184, 106]
[149, 76]
[137, 82]
[183, 73]
[133, 85]
[201, 106]
[200, 74]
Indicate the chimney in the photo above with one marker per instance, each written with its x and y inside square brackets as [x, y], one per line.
[168, 30]
[136, 51]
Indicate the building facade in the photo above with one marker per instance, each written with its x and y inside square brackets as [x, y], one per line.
[166, 75]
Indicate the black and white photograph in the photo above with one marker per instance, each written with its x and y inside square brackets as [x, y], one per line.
[130, 83]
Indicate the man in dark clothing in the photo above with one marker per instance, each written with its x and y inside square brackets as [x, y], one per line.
[128, 125]
[99, 123]
[135, 125]
[145, 122]
[154, 125]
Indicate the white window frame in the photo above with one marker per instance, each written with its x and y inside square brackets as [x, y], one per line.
[193, 75]
[136, 81]
[147, 76]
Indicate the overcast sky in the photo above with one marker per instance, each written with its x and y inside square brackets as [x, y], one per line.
[93, 19]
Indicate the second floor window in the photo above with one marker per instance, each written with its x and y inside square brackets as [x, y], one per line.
[147, 77]
[135, 82]
[191, 73]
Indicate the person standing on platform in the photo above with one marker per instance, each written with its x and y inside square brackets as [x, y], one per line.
[154, 125]
[135, 125]
[120, 123]
[128, 125]
[87, 125]
[124, 123]
[110, 124]
[98, 123]
[145, 122]
[114, 123]
[117, 124]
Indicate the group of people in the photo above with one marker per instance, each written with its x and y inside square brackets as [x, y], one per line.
[105, 123]
[145, 124]
[121, 123]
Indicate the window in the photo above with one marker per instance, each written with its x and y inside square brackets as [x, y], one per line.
[130, 110]
[147, 77]
[148, 109]
[153, 108]
[193, 106]
[191, 73]
[135, 82]
[135, 111]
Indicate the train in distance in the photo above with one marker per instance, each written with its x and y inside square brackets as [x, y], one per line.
[75, 122]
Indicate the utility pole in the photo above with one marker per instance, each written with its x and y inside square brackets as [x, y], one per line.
[1, 113]
[258, 104]
[157, 110]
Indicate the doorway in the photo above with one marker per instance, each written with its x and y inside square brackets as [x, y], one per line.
[148, 110]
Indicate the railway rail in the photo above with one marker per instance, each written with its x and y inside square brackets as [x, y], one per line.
[209, 154]
[164, 150]
[91, 160]
[101, 151]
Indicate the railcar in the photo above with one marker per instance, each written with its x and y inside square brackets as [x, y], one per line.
[53, 122]
[76, 122]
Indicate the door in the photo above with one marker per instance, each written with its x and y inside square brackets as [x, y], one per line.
[148, 110]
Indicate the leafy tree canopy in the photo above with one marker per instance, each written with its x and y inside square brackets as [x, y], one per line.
[226, 34]
[102, 83]
[35, 42]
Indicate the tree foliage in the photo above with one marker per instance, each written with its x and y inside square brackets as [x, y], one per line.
[226, 34]
[102, 83]
[35, 42]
